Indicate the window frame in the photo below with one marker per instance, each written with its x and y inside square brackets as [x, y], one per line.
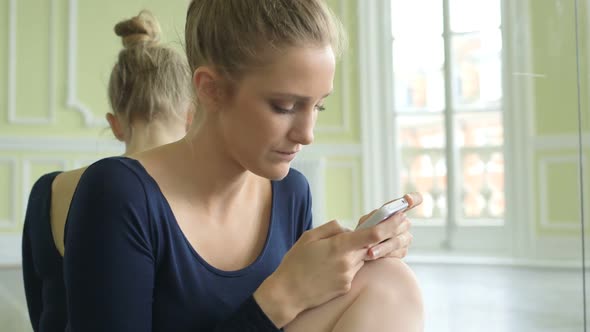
[379, 158]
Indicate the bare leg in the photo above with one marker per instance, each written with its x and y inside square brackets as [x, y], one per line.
[384, 297]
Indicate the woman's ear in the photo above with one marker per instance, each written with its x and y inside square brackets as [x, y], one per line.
[208, 87]
[116, 127]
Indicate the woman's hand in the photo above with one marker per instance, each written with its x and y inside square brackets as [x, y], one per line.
[319, 267]
[324, 261]
[396, 229]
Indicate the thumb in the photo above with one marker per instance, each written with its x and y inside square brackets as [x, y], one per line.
[365, 217]
[414, 199]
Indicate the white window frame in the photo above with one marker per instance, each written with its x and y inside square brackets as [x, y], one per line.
[376, 82]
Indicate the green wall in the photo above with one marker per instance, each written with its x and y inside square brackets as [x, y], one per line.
[56, 56]
[62, 52]
[555, 112]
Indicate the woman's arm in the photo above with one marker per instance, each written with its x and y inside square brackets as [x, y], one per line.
[109, 265]
[248, 318]
[33, 241]
[31, 280]
[110, 258]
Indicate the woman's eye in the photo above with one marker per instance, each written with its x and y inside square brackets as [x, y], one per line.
[320, 108]
[285, 110]
[282, 110]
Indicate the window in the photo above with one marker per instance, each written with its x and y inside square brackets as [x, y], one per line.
[433, 95]
[447, 109]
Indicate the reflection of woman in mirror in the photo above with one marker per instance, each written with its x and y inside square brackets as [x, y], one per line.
[213, 232]
[149, 91]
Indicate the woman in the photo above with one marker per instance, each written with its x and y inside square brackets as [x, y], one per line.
[212, 233]
[151, 101]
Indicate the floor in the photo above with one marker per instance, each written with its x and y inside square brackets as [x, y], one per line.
[467, 298]
[13, 308]
[458, 298]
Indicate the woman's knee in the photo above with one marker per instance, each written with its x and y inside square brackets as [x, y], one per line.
[389, 300]
[384, 285]
[390, 276]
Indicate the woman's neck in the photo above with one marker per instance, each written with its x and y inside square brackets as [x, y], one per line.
[212, 173]
[145, 136]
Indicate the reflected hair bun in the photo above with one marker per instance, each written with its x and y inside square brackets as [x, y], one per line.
[140, 30]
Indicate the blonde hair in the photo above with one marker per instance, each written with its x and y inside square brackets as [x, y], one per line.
[148, 80]
[235, 35]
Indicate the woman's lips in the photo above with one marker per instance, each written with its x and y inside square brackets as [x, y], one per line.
[287, 155]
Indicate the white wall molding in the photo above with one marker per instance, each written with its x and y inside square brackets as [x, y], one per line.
[54, 144]
[52, 60]
[11, 96]
[518, 81]
[559, 142]
[372, 15]
[344, 89]
[10, 250]
[446, 259]
[72, 101]
[11, 221]
[557, 247]
[543, 176]
[13, 117]
[114, 147]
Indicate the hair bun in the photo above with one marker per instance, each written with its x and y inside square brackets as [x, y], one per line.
[142, 29]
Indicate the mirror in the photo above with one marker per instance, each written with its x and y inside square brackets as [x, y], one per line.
[482, 111]
[584, 139]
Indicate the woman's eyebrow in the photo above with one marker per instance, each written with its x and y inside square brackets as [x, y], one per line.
[295, 96]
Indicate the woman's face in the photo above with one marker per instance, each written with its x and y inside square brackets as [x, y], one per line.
[273, 110]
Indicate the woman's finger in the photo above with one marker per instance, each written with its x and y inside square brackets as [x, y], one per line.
[391, 247]
[414, 199]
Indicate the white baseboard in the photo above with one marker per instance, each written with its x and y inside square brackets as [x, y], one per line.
[493, 261]
[10, 251]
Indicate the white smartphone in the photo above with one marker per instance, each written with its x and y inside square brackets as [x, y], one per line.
[384, 212]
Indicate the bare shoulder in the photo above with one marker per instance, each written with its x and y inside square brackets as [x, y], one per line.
[66, 182]
[62, 191]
